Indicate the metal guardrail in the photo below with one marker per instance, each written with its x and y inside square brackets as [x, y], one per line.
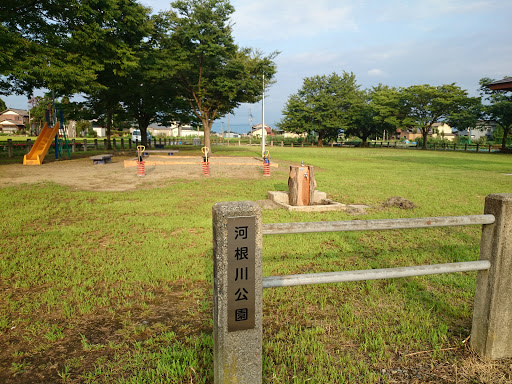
[367, 225]
[373, 274]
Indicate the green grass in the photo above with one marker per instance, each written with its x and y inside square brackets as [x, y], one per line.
[102, 287]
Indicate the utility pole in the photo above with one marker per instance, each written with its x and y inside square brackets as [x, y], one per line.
[229, 127]
[263, 130]
[250, 119]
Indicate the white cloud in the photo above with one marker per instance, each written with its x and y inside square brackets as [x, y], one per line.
[376, 72]
[269, 20]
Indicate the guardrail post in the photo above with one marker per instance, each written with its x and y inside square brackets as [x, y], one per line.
[96, 144]
[237, 293]
[85, 145]
[491, 333]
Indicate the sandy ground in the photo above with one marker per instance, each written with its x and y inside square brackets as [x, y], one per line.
[81, 174]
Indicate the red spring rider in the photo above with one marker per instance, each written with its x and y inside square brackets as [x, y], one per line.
[266, 164]
[205, 164]
[141, 170]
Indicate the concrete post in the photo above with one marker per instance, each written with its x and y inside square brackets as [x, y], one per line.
[85, 145]
[491, 333]
[114, 144]
[29, 145]
[96, 144]
[237, 293]
[122, 143]
[73, 145]
[105, 144]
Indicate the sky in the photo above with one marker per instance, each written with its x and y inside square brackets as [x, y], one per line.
[397, 43]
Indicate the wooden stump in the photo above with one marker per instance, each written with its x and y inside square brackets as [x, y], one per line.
[301, 185]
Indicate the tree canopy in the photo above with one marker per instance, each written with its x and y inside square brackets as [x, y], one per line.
[498, 107]
[210, 71]
[321, 105]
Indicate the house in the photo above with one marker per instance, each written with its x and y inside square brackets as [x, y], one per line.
[13, 120]
[483, 129]
[174, 130]
[256, 131]
[410, 134]
[443, 130]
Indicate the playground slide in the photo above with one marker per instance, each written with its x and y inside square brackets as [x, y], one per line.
[41, 146]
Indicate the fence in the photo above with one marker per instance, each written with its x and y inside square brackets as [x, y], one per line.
[238, 280]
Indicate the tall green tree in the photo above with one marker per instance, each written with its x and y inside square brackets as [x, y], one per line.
[3, 107]
[321, 105]
[125, 27]
[366, 118]
[39, 46]
[211, 73]
[498, 107]
[424, 105]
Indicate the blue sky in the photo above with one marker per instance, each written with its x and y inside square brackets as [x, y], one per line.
[398, 43]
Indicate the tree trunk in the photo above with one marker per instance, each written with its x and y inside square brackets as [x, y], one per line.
[320, 138]
[504, 140]
[109, 124]
[425, 136]
[364, 143]
[207, 126]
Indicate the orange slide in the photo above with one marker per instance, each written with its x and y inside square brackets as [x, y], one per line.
[41, 146]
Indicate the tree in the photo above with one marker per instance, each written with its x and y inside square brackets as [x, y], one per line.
[3, 107]
[373, 113]
[210, 71]
[321, 105]
[40, 47]
[424, 105]
[468, 117]
[499, 108]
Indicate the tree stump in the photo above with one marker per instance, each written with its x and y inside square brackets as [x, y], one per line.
[301, 185]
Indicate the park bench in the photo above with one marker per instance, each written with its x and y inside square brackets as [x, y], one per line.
[101, 159]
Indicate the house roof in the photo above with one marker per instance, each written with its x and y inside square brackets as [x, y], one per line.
[503, 84]
[7, 122]
[21, 112]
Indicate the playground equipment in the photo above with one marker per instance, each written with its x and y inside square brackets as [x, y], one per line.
[141, 170]
[41, 146]
[44, 140]
[205, 163]
[266, 163]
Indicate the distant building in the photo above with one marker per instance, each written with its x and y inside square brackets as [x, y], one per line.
[443, 130]
[483, 129]
[13, 120]
[256, 131]
[174, 130]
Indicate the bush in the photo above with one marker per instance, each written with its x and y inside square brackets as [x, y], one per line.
[91, 133]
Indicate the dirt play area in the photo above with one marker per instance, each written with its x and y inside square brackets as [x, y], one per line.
[81, 174]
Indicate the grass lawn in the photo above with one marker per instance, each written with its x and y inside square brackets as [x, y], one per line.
[103, 287]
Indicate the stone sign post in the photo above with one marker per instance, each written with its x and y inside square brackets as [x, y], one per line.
[237, 293]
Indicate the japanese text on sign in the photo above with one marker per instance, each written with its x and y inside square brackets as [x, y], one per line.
[241, 273]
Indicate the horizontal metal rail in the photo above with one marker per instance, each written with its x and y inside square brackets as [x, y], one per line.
[372, 225]
[373, 274]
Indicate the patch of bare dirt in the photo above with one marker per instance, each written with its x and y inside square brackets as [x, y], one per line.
[81, 174]
[398, 202]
